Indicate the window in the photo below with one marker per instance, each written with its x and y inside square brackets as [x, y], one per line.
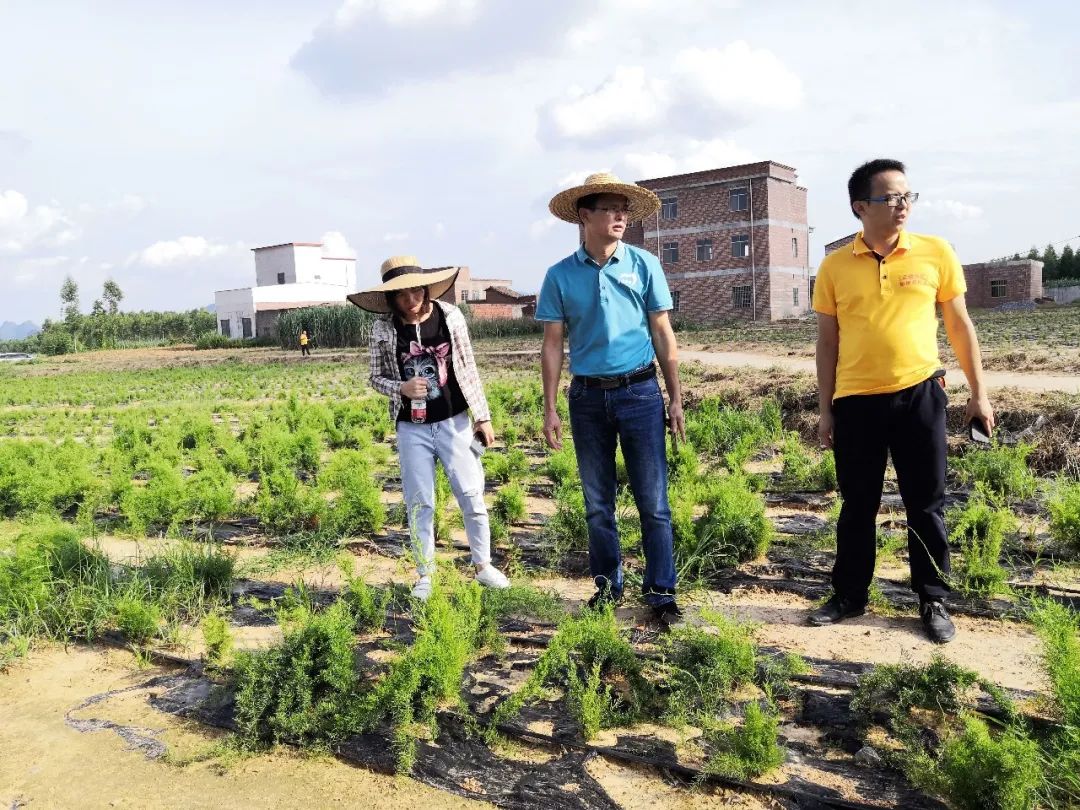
[998, 288]
[795, 296]
[464, 296]
[739, 198]
[674, 300]
[246, 326]
[740, 246]
[741, 296]
[280, 278]
[671, 252]
[318, 277]
[794, 247]
[669, 207]
[226, 328]
[704, 250]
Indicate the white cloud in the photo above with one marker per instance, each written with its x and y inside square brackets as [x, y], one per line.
[952, 209]
[540, 227]
[178, 251]
[705, 88]
[691, 156]
[404, 12]
[335, 244]
[23, 226]
[395, 236]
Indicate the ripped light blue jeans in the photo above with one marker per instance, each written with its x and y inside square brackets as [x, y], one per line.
[448, 441]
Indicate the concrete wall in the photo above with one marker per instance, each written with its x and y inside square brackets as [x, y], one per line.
[270, 261]
[299, 293]
[233, 306]
[1063, 295]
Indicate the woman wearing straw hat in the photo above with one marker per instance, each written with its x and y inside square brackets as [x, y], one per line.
[614, 301]
[422, 359]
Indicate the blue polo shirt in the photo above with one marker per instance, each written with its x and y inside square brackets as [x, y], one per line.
[606, 309]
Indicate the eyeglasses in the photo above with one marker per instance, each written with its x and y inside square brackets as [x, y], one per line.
[623, 210]
[894, 200]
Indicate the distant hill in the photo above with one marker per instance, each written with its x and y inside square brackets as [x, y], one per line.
[10, 330]
[212, 308]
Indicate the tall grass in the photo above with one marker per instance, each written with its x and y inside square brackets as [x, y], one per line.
[328, 327]
[1001, 469]
[734, 529]
[978, 531]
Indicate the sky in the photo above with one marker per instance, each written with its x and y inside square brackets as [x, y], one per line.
[157, 143]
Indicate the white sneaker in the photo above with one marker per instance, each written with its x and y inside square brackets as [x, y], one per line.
[492, 577]
[422, 589]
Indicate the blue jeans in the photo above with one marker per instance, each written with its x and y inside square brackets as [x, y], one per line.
[632, 415]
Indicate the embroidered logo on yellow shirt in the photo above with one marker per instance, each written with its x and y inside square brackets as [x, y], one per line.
[910, 279]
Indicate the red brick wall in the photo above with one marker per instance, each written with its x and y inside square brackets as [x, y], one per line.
[1023, 282]
[483, 310]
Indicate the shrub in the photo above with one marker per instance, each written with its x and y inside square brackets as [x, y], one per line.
[748, 749]
[567, 529]
[1002, 470]
[284, 506]
[358, 508]
[218, 639]
[136, 618]
[1064, 506]
[209, 494]
[1058, 627]
[732, 433]
[212, 340]
[734, 529]
[510, 503]
[509, 466]
[587, 656]
[802, 472]
[38, 477]
[367, 604]
[156, 504]
[302, 691]
[561, 465]
[978, 531]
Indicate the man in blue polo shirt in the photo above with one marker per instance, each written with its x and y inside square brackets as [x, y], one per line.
[613, 301]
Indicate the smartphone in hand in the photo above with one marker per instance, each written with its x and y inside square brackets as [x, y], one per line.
[478, 447]
[978, 433]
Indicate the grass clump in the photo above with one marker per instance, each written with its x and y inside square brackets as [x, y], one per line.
[750, 748]
[512, 465]
[734, 529]
[1059, 629]
[284, 506]
[1001, 469]
[561, 465]
[358, 507]
[41, 478]
[733, 434]
[567, 529]
[979, 529]
[158, 503]
[367, 603]
[1064, 506]
[218, 640]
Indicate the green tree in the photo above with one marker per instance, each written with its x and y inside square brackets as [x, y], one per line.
[113, 295]
[1034, 254]
[1050, 262]
[69, 300]
[1068, 264]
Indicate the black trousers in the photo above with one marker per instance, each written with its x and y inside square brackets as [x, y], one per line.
[305, 351]
[910, 425]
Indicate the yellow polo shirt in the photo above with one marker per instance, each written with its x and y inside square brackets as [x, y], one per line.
[887, 310]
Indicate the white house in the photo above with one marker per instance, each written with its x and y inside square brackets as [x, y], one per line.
[295, 274]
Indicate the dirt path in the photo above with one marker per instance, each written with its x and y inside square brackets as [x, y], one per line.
[48, 764]
[994, 379]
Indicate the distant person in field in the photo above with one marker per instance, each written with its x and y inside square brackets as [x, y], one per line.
[305, 350]
[422, 359]
[614, 301]
[882, 388]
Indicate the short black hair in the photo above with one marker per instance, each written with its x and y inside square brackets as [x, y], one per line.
[858, 185]
[588, 201]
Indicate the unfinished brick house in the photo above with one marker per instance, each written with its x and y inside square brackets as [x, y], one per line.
[732, 241]
[990, 284]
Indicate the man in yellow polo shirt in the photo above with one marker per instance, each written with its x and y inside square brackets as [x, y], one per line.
[881, 388]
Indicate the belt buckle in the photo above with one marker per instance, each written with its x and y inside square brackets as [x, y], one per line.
[609, 383]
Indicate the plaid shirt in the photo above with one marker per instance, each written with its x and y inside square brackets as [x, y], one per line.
[386, 376]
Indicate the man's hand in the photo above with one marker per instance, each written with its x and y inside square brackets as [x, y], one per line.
[553, 429]
[485, 432]
[979, 408]
[676, 421]
[825, 430]
[416, 388]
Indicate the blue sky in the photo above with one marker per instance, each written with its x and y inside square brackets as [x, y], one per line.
[157, 143]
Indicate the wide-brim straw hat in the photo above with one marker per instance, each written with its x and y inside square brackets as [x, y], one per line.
[402, 273]
[642, 202]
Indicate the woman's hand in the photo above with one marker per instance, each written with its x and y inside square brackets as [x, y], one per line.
[416, 388]
[485, 432]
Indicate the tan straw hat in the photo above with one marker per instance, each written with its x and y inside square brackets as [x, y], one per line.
[642, 202]
[401, 273]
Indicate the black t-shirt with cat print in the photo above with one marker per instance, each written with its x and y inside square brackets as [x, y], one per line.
[429, 357]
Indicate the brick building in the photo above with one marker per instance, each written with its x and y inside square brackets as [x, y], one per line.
[489, 297]
[732, 242]
[989, 284]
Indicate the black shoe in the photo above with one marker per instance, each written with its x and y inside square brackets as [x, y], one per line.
[935, 619]
[836, 610]
[668, 613]
[604, 597]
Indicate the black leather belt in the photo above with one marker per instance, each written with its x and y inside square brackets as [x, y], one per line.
[607, 383]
